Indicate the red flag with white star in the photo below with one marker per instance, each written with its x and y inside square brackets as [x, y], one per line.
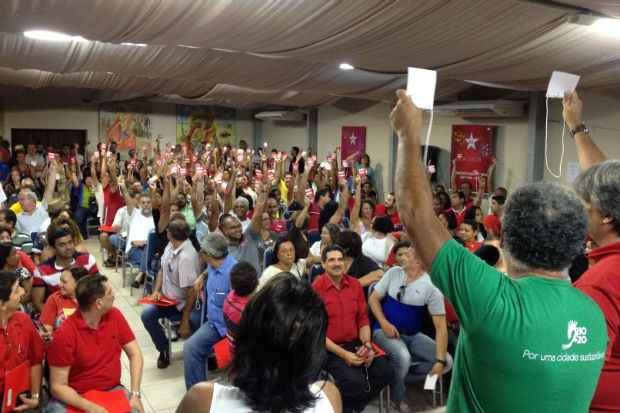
[472, 154]
[353, 142]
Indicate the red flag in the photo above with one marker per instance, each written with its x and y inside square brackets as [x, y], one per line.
[472, 152]
[353, 141]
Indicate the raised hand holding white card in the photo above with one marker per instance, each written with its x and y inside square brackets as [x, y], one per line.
[561, 83]
[421, 85]
[431, 382]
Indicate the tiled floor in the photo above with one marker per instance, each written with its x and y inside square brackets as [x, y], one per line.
[163, 389]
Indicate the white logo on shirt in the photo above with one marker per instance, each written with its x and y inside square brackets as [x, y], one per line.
[575, 335]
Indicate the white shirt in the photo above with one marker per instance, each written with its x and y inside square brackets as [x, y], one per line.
[298, 269]
[139, 228]
[227, 399]
[377, 249]
[38, 221]
[123, 220]
[315, 249]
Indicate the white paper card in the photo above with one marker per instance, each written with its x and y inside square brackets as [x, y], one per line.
[421, 85]
[561, 83]
[431, 382]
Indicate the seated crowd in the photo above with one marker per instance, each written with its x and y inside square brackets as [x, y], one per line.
[268, 255]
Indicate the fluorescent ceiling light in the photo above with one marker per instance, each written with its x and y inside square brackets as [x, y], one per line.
[346, 66]
[610, 27]
[134, 44]
[52, 36]
[188, 46]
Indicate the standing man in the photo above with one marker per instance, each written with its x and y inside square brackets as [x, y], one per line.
[529, 324]
[493, 221]
[350, 356]
[200, 345]
[599, 186]
[180, 266]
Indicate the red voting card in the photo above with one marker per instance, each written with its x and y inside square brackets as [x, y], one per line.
[113, 401]
[16, 381]
[379, 352]
[162, 302]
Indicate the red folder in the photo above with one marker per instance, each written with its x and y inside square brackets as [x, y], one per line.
[162, 302]
[113, 401]
[16, 381]
[379, 352]
[106, 228]
[223, 355]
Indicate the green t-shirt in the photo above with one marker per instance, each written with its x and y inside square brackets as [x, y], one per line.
[526, 345]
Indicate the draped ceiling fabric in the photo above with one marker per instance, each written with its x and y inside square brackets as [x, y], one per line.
[253, 53]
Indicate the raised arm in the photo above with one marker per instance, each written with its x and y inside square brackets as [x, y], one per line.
[259, 208]
[588, 152]
[51, 182]
[415, 200]
[355, 213]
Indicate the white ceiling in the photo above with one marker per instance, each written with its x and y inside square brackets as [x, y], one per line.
[252, 53]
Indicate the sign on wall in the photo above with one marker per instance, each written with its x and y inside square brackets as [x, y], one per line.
[353, 142]
[205, 124]
[472, 154]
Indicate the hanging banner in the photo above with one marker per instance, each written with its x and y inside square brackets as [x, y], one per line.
[472, 154]
[353, 142]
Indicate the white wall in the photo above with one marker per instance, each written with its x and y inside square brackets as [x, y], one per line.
[284, 135]
[601, 114]
[83, 117]
[378, 136]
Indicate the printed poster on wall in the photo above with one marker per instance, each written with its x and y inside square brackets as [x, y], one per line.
[205, 124]
[353, 142]
[472, 154]
[129, 126]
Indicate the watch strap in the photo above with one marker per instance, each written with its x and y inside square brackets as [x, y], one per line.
[581, 128]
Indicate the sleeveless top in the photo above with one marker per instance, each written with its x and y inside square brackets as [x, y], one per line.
[229, 399]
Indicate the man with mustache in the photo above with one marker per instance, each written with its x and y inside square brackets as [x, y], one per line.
[351, 360]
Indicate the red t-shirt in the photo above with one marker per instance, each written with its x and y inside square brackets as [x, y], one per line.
[112, 202]
[25, 261]
[93, 355]
[460, 216]
[233, 308]
[346, 307]
[18, 343]
[602, 283]
[381, 210]
[314, 213]
[57, 308]
[493, 223]
[472, 246]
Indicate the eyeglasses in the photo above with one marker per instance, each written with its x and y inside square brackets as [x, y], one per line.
[401, 292]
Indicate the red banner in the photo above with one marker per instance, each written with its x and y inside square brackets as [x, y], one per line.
[472, 154]
[353, 142]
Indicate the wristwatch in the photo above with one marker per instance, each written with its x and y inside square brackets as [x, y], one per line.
[34, 396]
[581, 128]
[137, 394]
[441, 361]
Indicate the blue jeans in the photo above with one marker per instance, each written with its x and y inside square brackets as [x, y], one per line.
[117, 241]
[137, 258]
[150, 318]
[196, 350]
[81, 219]
[412, 358]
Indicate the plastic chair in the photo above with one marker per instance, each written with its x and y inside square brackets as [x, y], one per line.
[385, 400]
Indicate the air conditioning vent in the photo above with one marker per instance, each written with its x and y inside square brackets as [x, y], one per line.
[281, 115]
[483, 109]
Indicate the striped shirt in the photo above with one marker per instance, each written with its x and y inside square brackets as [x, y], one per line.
[48, 273]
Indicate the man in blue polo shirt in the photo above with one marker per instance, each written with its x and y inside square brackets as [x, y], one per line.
[399, 303]
[197, 348]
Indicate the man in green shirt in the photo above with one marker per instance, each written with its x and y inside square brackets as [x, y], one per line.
[529, 342]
